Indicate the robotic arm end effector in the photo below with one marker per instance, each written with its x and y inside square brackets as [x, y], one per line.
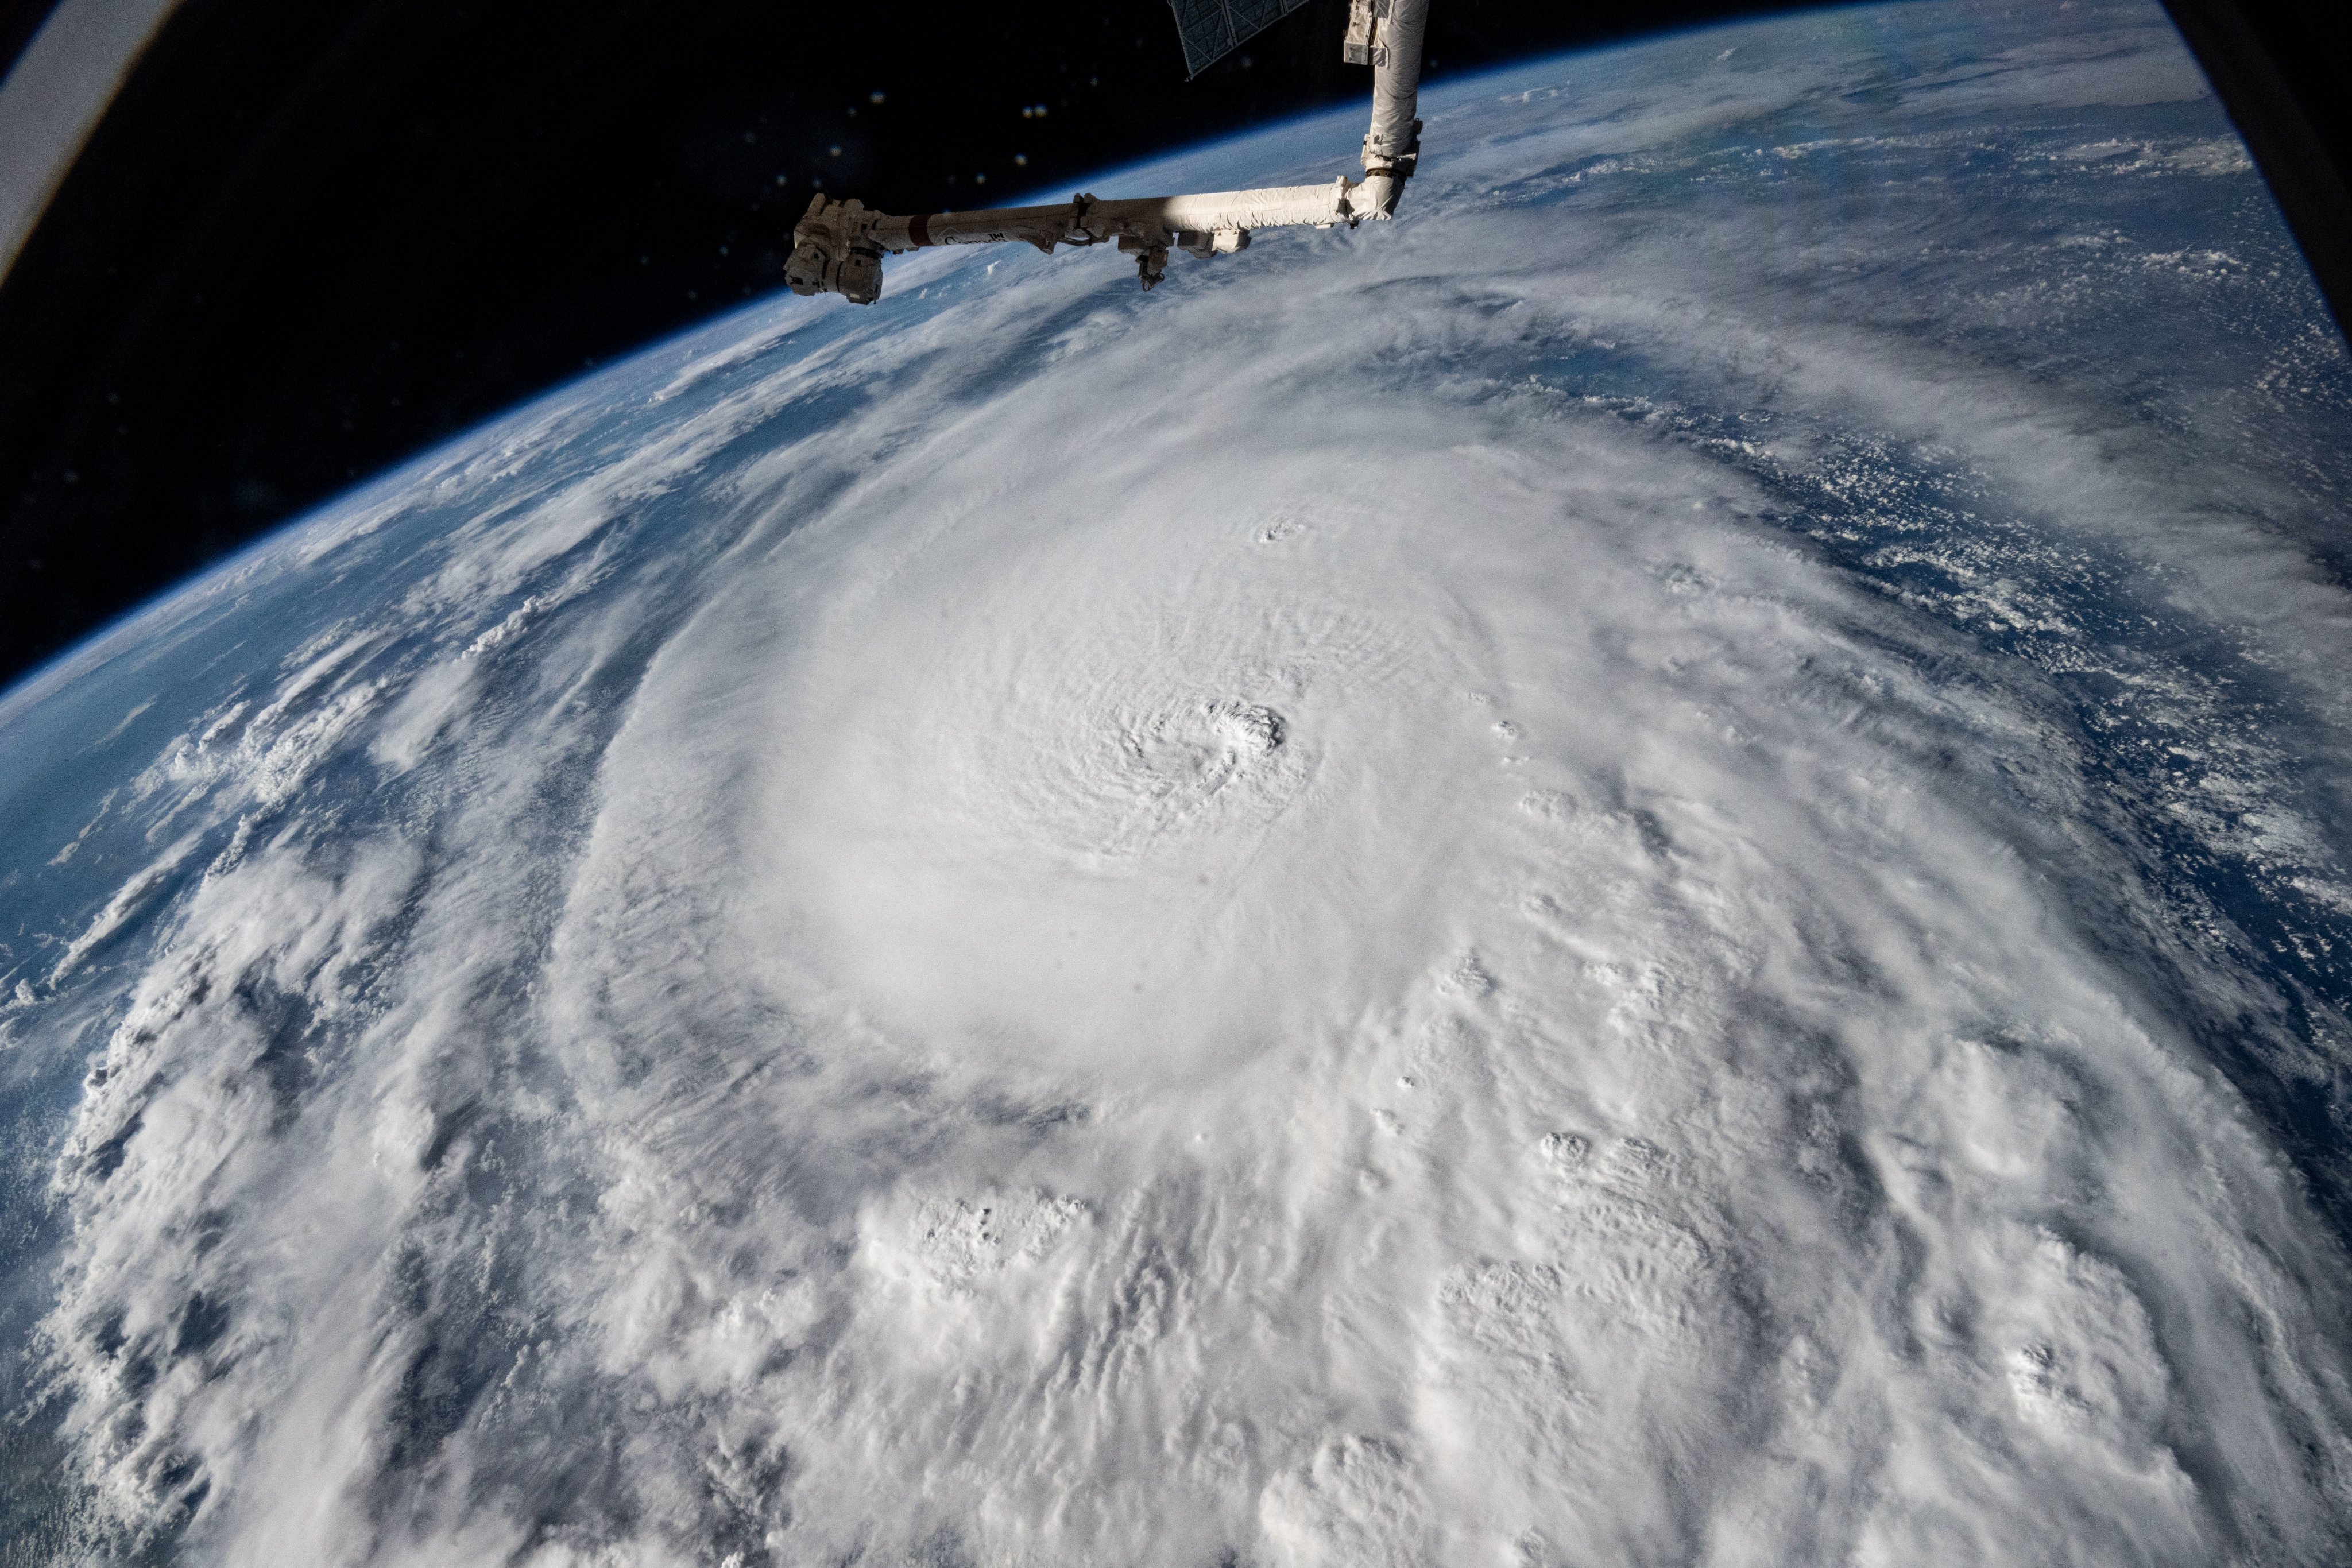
[834, 252]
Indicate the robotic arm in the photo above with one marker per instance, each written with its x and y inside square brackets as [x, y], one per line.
[838, 246]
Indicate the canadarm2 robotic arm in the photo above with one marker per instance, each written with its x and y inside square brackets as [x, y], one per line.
[838, 246]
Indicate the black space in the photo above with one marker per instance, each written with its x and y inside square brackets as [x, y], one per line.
[314, 236]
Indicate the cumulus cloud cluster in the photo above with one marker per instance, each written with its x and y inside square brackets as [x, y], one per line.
[1487, 894]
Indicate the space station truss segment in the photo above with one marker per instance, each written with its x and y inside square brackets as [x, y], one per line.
[1212, 29]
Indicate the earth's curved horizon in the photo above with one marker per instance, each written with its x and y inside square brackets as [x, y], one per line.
[1650, 868]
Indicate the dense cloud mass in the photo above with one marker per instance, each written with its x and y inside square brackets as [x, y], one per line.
[1651, 869]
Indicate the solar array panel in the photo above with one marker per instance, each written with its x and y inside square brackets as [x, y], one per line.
[1213, 29]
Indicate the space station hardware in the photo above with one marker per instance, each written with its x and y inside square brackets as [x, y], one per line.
[1212, 29]
[838, 246]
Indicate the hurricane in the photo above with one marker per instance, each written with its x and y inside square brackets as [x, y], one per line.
[1650, 869]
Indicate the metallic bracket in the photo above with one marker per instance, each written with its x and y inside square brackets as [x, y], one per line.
[1365, 43]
